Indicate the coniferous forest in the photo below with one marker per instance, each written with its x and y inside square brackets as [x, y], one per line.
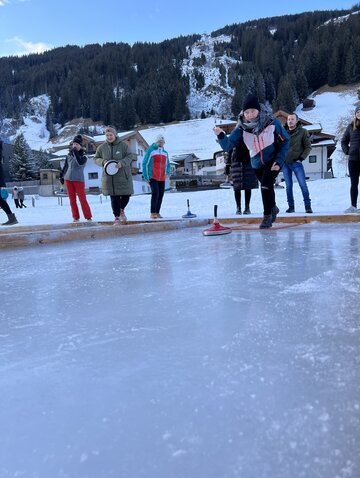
[283, 60]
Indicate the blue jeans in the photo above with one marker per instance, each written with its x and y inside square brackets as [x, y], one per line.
[298, 169]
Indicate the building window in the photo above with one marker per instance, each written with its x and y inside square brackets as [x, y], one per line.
[312, 159]
[93, 175]
[45, 176]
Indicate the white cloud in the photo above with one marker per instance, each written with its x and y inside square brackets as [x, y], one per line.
[3, 2]
[22, 47]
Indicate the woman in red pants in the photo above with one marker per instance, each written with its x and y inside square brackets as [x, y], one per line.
[73, 176]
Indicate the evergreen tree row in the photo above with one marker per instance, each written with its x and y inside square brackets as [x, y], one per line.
[282, 60]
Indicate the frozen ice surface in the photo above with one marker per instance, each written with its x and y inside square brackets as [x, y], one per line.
[174, 355]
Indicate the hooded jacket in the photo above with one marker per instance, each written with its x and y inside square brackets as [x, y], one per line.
[121, 184]
[266, 139]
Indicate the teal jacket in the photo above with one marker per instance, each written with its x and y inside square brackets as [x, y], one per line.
[156, 164]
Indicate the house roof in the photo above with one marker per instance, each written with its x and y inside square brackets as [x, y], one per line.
[187, 137]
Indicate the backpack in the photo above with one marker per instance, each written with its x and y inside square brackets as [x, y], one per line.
[4, 193]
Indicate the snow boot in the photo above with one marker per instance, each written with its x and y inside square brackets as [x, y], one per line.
[308, 209]
[290, 209]
[274, 212]
[11, 220]
[266, 222]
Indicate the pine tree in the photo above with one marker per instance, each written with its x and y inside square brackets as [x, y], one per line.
[302, 87]
[42, 160]
[286, 99]
[22, 163]
[127, 113]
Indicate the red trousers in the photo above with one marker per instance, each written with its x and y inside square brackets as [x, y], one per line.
[78, 188]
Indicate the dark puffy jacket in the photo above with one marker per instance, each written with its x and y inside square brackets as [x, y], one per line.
[350, 142]
[241, 171]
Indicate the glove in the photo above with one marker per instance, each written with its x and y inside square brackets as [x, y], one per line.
[61, 180]
[227, 170]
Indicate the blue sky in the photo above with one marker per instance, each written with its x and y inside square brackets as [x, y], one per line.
[28, 26]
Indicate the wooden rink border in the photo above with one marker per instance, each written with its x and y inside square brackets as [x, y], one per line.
[24, 236]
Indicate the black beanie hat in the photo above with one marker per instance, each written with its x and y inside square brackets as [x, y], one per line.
[78, 139]
[251, 102]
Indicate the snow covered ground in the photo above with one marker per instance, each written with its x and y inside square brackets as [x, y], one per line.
[329, 196]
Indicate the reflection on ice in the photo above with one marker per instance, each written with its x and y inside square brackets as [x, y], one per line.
[176, 355]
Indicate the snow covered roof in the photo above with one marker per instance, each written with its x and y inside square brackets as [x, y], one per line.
[187, 137]
[325, 142]
[313, 127]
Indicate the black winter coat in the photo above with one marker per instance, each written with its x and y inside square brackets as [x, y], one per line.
[2, 182]
[242, 174]
[350, 142]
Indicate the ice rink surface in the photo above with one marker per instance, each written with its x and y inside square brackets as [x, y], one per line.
[174, 355]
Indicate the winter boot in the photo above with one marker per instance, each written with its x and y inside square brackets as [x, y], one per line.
[266, 222]
[308, 209]
[274, 212]
[238, 211]
[11, 220]
[247, 210]
[290, 209]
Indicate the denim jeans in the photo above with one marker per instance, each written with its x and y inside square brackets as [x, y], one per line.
[298, 169]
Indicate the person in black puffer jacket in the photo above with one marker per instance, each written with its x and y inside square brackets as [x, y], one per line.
[238, 166]
[350, 144]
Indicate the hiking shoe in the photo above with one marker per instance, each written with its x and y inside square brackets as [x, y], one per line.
[238, 211]
[290, 209]
[158, 215]
[266, 222]
[350, 210]
[76, 220]
[116, 221]
[247, 211]
[308, 209]
[274, 212]
[11, 220]
[123, 217]
[153, 215]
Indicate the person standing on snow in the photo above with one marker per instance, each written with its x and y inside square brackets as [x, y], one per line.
[268, 144]
[155, 168]
[15, 196]
[21, 197]
[73, 176]
[300, 147]
[3, 203]
[238, 166]
[120, 185]
[350, 144]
